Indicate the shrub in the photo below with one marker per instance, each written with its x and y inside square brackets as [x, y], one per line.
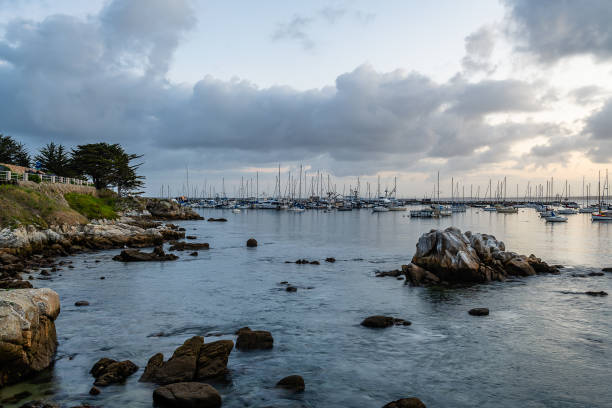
[34, 177]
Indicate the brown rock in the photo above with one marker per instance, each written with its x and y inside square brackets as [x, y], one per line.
[293, 382]
[291, 289]
[330, 260]
[379, 322]
[212, 361]
[479, 311]
[406, 403]
[254, 339]
[251, 243]
[107, 371]
[81, 303]
[187, 395]
[134, 255]
[189, 246]
[94, 391]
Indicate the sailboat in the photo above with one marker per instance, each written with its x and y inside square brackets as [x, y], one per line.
[601, 215]
[555, 218]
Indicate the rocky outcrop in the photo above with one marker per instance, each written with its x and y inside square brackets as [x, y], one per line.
[193, 361]
[187, 395]
[107, 371]
[254, 339]
[406, 403]
[170, 210]
[379, 322]
[134, 255]
[454, 257]
[27, 332]
[293, 383]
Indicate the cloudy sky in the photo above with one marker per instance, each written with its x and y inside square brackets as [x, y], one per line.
[475, 89]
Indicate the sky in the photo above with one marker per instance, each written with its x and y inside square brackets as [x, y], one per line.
[227, 91]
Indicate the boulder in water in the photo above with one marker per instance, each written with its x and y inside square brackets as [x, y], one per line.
[189, 246]
[107, 371]
[293, 383]
[251, 243]
[27, 332]
[380, 322]
[134, 255]
[406, 403]
[479, 311]
[187, 395]
[254, 339]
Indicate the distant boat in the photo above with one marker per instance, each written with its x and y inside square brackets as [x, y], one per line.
[397, 208]
[555, 218]
[297, 209]
[602, 216]
[236, 210]
[507, 210]
[489, 209]
[380, 208]
[567, 211]
[422, 213]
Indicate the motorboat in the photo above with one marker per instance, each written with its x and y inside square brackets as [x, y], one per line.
[297, 209]
[489, 209]
[397, 208]
[236, 210]
[567, 211]
[380, 208]
[507, 210]
[422, 213]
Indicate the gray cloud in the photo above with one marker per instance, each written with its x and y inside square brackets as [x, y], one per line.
[299, 28]
[554, 29]
[479, 47]
[78, 81]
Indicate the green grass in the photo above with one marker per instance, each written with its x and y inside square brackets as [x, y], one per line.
[23, 206]
[92, 207]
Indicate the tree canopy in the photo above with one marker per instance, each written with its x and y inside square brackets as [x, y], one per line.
[108, 165]
[55, 159]
[13, 152]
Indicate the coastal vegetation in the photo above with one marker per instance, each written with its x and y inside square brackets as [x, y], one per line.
[94, 208]
[107, 165]
[25, 206]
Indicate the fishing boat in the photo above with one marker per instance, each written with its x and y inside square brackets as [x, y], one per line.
[555, 218]
[380, 208]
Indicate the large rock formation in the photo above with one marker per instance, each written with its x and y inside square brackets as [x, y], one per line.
[27, 332]
[170, 210]
[451, 256]
[193, 361]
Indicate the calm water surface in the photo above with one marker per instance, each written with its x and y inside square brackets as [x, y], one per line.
[538, 348]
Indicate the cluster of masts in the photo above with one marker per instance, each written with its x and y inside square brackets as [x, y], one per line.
[302, 187]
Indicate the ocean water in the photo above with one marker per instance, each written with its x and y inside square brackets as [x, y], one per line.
[540, 346]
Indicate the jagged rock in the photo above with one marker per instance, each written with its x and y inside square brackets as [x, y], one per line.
[134, 255]
[417, 276]
[187, 395]
[406, 403]
[170, 210]
[107, 371]
[293, 383]
[454, 257]
[254, 339]
[479, 311]
[379, 322]
[194, 360]
[27, 332]
[189, 246]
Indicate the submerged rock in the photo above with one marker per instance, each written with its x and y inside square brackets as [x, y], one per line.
[394, 273]
[330, 260]
[406, 403]
[291, 288]
[600, 293]
[380, 322]
[293, 383]
[254, 339]
[187, 395]
[251, 243]
[454, 257]
[134, 255]
[81, 303]
[194, 360]
[189, 246]
[217, 220]
[27, 332]
[107, 371]
[479, 311]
